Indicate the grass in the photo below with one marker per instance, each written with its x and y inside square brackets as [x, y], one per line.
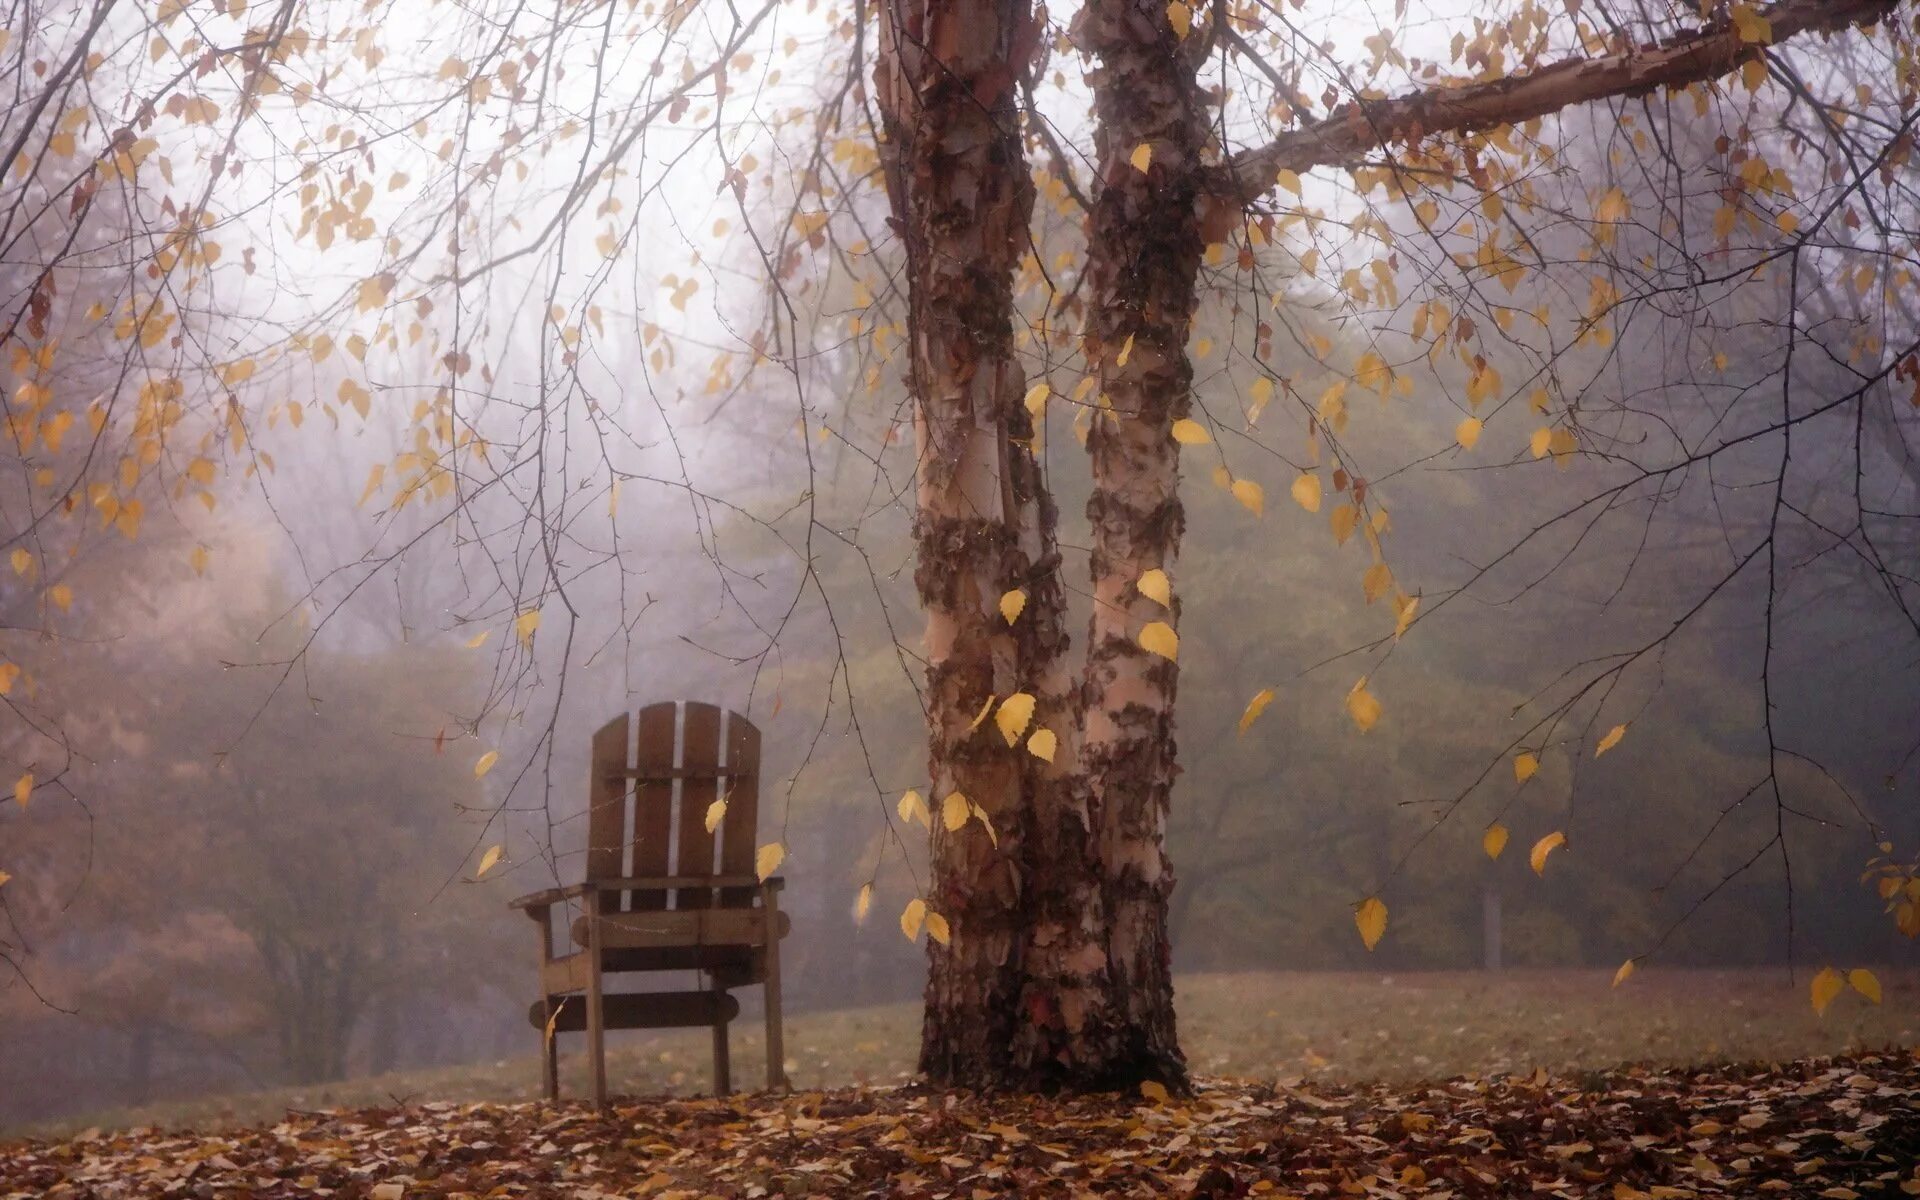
[1268, 1026]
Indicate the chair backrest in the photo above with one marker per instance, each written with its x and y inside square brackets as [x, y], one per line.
[655, 774]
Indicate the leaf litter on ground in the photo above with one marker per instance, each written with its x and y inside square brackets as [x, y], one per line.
[1836, 1128]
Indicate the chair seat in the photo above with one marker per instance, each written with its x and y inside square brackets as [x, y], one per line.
[694, 928]
[642, 1010]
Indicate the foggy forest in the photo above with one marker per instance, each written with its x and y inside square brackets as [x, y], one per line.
[1314, 579]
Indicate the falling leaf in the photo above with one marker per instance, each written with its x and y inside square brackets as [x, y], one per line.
[1042, 744]
[525, 624]
[1126, 347]
[1142, 157]
[1826, 986]
[1624, 973]
[1159, 638]
[1306, 492]
[911, 916]
[61, 595]
[23, 789]
[1255, 707]
[1494, 840]
[913, 808]
[22, 560]
[954, 811]
[1371, 919]
[1525, 764]
[1251, 496]
[1189, 432]
[1468, 432]
[1154, 1090]
[1610, 741]
[715, 812]
[937, 928]
[1016, 713]
[1012, 604]
[1154, 585]
[1362, 706]
[767, 860]
[1864, 982]
[479, 639]
[486, 763]
[863, 904]
[489, 860]
[1545, 846]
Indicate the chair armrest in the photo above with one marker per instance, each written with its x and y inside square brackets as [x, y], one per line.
[646, 883]
[549, 897]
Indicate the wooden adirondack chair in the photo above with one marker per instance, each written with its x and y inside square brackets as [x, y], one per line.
[657, 897]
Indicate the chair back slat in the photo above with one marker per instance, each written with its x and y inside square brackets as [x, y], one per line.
[607, 802]
[699, 788]
[652, 823]
[740, 826]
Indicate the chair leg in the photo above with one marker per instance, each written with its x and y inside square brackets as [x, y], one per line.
[550, 1050]
[596, 1015]
[722, 1061]
[776, 1047]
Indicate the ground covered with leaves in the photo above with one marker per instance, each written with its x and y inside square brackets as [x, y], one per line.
[1837, 1128]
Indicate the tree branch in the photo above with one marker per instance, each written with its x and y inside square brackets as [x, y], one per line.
[1365, 126]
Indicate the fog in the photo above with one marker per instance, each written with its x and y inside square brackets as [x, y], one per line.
[252, 857]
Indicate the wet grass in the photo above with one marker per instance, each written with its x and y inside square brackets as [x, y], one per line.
[1268, 1026]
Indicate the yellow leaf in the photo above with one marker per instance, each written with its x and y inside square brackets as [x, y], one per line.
[23, 791]
[1860, 979]
[1016, 713]
[767, 860]
[8, 673]
[22, 560]
[1251, 496]
[1376, 581]
[1255, 707]
[1289, 180]
[1545, 846]
[1525, 764]
[1468, 432]
[1012, 604]
[3, 878]
[954, 811]
[1362, 706]
[61, 595]
[1541, 439]
[911, 916]
[1142, 157]
[1406, 606]
[1494, 840]
[1159, 638]
[1306, 492]
[1624, 973]
[1371, 919]
[1181, 18]
[1826, 986]
[525, 624]
[1154, 1090]
[715, 812]
[1751, 26]
[1036, 399]
[863, 904]
[489, 860]
[1345, 518]
[1126, 352]
[1613, 206]
[981, 715]
[1189, 432]
[937, 928]
[479, 639]
[1042, 744]
[1610, 741]
[1753, 73]
[373, 292]
[1153, 584]
[197, 558]
[486, 763]
[913, 808]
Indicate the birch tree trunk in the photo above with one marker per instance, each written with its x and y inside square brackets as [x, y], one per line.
[962, 197]
[1144, 251]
